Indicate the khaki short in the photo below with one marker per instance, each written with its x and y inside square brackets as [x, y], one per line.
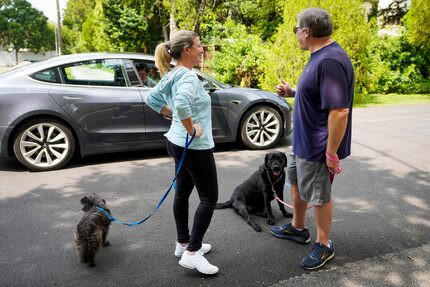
[312, 178]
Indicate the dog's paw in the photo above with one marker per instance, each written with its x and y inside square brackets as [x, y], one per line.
[107, 243]
[270, 221]
[287, 214]
[257, 227]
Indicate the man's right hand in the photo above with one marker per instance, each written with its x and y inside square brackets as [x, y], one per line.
[284, 89]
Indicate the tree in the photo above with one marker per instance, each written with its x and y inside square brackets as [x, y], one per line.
[416, 21]
[240, 56]
[75, 15]
[350, 29]
[259, 17]
[94, 30]
[24, 27]
[188, 14]
[134, 25]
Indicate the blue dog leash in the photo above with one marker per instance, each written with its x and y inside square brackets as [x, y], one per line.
[135, 223]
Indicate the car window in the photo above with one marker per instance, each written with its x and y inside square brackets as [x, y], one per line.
[103, 72]
[131, 73]
[148, 72]
[49, 75]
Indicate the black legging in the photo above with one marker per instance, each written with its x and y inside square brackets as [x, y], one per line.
[198, 170]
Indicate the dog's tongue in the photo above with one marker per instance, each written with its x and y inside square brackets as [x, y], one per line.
[276, 173]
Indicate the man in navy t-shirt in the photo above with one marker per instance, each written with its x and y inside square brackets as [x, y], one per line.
[322, 132]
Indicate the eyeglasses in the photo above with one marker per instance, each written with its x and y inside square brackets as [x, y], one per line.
[296, 28]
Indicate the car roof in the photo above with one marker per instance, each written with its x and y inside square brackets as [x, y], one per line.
[60, 60]
[29, 69]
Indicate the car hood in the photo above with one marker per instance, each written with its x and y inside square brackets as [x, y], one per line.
[255, 94]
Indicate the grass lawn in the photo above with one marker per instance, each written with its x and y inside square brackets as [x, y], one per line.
[389, 99]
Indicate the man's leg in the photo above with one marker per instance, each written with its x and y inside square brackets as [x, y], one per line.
[323, 249]
[295, 230]
[299, 211]
[323, 221]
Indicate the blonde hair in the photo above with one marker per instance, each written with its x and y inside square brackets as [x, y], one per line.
[165, 52]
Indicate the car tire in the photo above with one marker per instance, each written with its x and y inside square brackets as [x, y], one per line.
[44, 144]
[261, 128]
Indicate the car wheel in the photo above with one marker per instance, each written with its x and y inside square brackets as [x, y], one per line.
[44, 144]
[261, 128]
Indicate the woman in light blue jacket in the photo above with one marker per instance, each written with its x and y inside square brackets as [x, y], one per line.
[181, 95]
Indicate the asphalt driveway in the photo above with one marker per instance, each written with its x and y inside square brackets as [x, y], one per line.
[382, 205]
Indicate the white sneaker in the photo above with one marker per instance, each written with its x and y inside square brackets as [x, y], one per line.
[179, 250]
[199, 262]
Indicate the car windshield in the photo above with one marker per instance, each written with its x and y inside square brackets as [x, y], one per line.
[216, 82]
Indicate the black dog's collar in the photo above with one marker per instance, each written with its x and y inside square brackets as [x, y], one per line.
[270, 180]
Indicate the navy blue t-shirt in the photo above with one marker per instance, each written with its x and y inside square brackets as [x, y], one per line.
[326, 82]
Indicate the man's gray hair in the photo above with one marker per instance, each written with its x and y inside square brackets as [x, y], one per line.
[317, 20]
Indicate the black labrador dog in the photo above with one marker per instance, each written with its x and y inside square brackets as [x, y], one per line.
[255, 194]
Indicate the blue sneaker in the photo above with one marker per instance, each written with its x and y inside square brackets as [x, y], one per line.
[288, 231]
[319, 255]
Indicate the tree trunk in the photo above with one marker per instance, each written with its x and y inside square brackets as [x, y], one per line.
[200, 9]
[16, 56]
[173, 27]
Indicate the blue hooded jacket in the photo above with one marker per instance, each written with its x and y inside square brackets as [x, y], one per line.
[182, 91]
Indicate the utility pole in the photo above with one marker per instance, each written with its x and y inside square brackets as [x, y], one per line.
[59, 38]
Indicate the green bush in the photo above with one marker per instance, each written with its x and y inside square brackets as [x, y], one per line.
[239, 58]
[397, 66]
[351, 30]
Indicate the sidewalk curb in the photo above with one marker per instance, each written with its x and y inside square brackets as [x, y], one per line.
[410, 267]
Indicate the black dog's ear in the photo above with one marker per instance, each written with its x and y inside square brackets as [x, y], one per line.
[285, 158]
[85, 201]
[266, 159]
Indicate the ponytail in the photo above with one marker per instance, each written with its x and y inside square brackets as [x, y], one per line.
[162, 58]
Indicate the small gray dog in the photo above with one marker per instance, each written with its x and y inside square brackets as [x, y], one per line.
[92, 230]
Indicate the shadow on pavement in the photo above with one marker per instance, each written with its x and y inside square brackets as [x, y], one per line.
[376, 212]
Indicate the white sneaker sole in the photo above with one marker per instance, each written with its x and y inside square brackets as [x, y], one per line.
[183, 264]
[186, 265]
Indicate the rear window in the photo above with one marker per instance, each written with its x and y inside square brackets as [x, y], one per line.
[50, 76]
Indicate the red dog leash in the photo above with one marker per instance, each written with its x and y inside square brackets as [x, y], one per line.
[338, 169]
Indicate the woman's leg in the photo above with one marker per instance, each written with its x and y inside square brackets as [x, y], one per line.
[184, 186]
[203, 172]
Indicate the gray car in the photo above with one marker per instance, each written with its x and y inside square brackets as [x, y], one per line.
[94, 103]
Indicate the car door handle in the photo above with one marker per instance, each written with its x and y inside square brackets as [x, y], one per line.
[236, 102]
[72, 98]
